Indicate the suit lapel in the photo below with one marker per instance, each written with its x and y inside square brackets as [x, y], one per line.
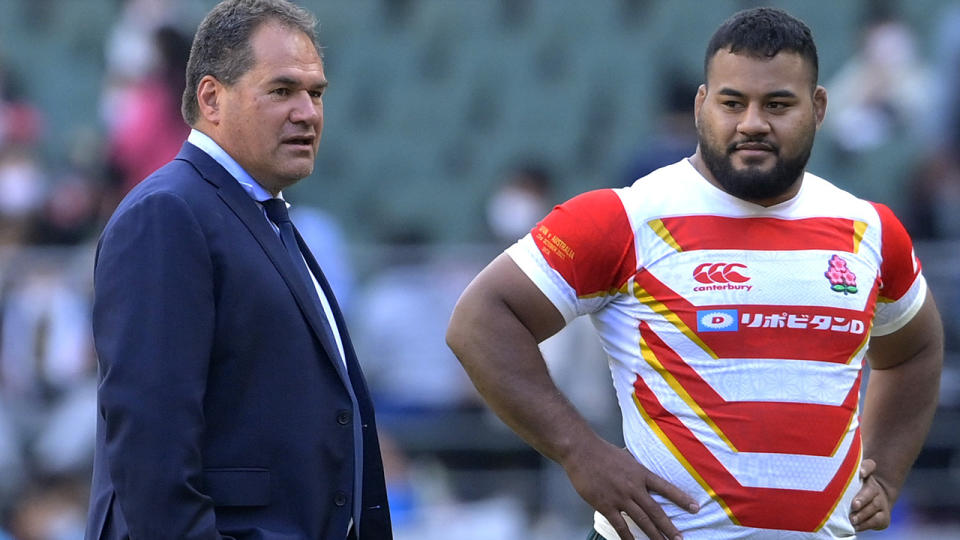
[247, 210]
[350, 356]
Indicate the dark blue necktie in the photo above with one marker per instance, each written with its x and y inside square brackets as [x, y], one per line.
[277, 212]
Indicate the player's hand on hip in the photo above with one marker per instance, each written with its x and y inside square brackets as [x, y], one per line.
[871, 505]
[614, 483]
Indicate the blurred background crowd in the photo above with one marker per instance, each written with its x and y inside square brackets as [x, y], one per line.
[450, 128]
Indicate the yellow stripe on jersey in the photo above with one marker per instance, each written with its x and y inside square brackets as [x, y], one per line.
[842, 491]
[859, 229]
[667, 443]
[613, 290]
[661, 230]
[853, 414]
[661, 309]
[866, 339]
[682, 393]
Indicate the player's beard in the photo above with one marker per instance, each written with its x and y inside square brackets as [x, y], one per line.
[751, 183]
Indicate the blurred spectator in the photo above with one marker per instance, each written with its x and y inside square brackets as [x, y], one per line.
[69, 214]
[944, 119]
[401, 314]
[935, 184]
[146, 58]
[935, 196]
[22, 182]
[129, 48]
[22, 190]
[73, 209]
[880, 94]
[52, 509]
[145, 126]
[47, 384]
[20, 121]
[675, 133]
[523, 196]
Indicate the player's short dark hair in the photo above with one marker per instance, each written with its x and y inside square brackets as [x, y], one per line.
[221, 48]
[763, 32]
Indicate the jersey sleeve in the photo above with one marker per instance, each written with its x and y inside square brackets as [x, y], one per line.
[902, 286]
[581, 254]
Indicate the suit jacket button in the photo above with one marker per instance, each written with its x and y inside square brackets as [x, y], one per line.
[343, 417]
[340, 498]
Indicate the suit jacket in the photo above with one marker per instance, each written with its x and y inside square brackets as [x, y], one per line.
[224, 410]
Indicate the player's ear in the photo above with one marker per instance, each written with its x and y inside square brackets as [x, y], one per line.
[820, 104]
[698, 103]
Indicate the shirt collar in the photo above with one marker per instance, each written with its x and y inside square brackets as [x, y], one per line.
[203, 141]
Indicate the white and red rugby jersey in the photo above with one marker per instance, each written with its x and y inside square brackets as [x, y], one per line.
[735, 335]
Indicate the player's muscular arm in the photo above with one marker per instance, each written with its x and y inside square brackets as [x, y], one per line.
[494, 331]
[897, 412]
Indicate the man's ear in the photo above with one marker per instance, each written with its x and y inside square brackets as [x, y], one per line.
[210, 93]
[698, 103]
[820, 104]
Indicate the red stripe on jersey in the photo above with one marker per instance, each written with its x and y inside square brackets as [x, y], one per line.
[718, 232]
[768, 508]
[900, 265]
[823, 334]
[810, 429]
[589, 241]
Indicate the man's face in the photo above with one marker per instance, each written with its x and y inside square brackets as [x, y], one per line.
[272, 117]
[756, 120]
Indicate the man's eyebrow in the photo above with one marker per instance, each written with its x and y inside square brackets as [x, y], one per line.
[781, 94]
[290, 81]
[775, 94]
[730, 92]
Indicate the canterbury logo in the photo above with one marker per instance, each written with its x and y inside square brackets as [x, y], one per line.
[720, 273]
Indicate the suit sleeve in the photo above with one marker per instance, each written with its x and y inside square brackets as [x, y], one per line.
[153, 328]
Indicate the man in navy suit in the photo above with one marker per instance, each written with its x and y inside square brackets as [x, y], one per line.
[231, 404]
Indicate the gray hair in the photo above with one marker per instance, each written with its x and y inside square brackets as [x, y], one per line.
[221, 48]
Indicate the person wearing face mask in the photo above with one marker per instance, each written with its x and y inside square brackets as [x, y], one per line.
[230, 400]
[519, 201]
[737, 297]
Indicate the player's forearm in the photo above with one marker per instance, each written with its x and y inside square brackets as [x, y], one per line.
[897, 413]
[503, 360]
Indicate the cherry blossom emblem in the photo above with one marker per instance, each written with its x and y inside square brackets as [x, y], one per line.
[841, 278]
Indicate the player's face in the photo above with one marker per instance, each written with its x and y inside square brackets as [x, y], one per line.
[756, 120]
[272, 117]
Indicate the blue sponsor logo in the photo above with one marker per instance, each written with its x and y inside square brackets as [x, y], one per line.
[718, 320]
